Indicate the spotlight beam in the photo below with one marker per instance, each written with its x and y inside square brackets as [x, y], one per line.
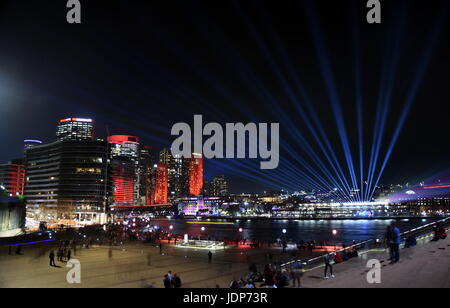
[331, 87]
[420, 74]
[387, 85]
[280, 112]
[328, 151]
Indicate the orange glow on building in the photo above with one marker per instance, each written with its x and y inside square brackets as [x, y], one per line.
[123, 186]
[15, 179]
[196, 175]
[121, 139]
[162, 185]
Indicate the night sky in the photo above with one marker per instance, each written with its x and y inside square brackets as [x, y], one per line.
[138, 67]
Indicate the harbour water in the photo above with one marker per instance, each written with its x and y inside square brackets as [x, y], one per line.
[346, 231]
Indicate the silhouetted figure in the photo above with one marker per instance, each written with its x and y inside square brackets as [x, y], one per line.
[19, 250]
[396, 240]
[52, 258]
[388, 237]
[210, 255]
[327, 259]
[167, 282]
[60, 255]
[176, 281]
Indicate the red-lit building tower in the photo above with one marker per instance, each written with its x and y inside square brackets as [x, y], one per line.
[125, 162]
[12, 177]
[196, 175]
[162, 184]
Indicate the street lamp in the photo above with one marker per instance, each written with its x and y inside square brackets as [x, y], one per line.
[284, 231]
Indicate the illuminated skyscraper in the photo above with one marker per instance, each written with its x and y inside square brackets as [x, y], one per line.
[175, 168]
[123, 182]
[125, 162]
[68, 182]
[29, 143]
[12, 177]
[162, 190]
[124, 146]
[146, 189]
[219, 186]
[196, 175]
[75, 129]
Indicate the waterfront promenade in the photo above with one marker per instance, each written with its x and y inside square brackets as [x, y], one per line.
[422, 266]
[141, 265]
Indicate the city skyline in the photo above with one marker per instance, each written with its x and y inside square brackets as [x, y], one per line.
[135, 151]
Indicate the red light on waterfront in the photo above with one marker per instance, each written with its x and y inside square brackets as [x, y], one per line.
[437, 187]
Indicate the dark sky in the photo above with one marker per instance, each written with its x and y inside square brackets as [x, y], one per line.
[138, 67]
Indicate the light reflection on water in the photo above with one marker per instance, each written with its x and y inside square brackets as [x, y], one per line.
[296, 230]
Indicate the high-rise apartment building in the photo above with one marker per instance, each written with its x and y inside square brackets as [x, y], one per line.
[162, 178]
[146, 181]
[196, 175]
[68, 182]
[219, 186]
[12, 178]
[29, 143]
[75, 129]
[125, 161]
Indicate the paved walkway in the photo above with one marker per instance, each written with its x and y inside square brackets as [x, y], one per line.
[134, 265]
[423, 266]
[426, 265]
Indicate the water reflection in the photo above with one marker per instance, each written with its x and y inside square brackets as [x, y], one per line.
[296, 230]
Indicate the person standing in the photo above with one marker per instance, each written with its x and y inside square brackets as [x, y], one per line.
[176, 281]
[389, 242]
[297, 274]
[396, 240]
[19, 250]
[60, 254]
[327, 259]
[210, 255]
[52, 258]
[167, 283]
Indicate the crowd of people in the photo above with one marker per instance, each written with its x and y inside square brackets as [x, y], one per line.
[272, 276]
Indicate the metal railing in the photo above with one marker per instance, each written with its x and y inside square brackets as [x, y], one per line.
[370, 245]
